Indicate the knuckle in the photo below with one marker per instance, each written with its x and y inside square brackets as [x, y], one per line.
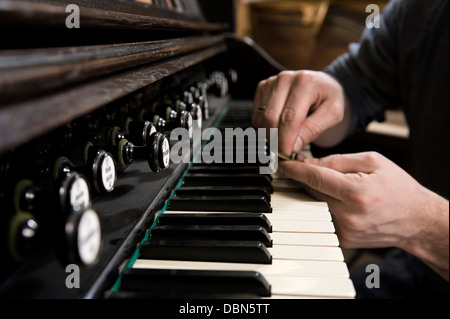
[261, 84]
[284, 76]
[372, 157]
[288, 116]
[303, 77]
[333, 160]
[363, 201]
[270, 118]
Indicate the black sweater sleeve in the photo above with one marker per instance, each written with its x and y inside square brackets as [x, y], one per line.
[369, 72]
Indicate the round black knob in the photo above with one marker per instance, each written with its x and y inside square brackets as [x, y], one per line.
[83, 237]
[74, 193]
[104, 173]
[160, 148]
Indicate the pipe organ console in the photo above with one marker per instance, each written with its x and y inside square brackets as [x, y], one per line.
[87, 181]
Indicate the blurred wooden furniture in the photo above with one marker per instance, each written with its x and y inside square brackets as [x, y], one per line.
[303, 34]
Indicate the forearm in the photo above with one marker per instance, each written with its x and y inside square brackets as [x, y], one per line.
[430, 241]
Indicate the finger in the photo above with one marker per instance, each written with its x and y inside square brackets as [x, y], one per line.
[257, 103]
[323, 179]
[281, 88]
[349, 163]
[265, 89]
[298, 104]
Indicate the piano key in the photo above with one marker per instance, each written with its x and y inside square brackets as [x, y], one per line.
[195, 281]
[226, 251]
[279, 267]
[293, 252]
[289, 278]
[246, 203]
[297, 205]
[305, 239]
[221, 169]
[141, 295]
[279, 225]
[223, 191]
[323, 215]
[303, 226]
[282, 185]
[237, 180]
[224, 165]
[295, 196]
[207, 218]
[318, 214]
[315, 287]
[214, 233]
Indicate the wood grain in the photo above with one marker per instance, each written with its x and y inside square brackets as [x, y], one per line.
[21, 122]
[25, 73]
[26, 13]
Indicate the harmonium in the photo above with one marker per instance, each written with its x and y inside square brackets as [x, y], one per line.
[115, 173]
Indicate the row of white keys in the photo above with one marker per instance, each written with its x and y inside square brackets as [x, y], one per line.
[307, 260]
[287, 278]
[291, 203]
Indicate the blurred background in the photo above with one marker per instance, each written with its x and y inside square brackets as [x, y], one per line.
[302, 34]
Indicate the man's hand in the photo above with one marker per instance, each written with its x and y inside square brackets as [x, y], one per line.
[375, 203]
[302, 105]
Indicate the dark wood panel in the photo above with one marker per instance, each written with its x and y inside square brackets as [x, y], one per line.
[21, 122]
[23, 13]
[141, 7]
[25, 73]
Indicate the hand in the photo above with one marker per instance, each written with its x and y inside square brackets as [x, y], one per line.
[372, 200]
[302, 105]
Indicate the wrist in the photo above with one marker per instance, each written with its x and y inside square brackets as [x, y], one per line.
[429, 232]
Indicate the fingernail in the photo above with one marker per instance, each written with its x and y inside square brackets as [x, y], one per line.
[298, 145]
[300, 157]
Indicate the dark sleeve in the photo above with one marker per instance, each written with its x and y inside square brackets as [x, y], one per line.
[369, 72]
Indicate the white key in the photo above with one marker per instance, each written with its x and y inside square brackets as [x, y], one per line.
[291, 268]
[315, 287]
[297, 196]
[286, 278]
[292, 252]
[308, 226]
[299, 215]
[286, 184]
[305, 239]
[293, 205]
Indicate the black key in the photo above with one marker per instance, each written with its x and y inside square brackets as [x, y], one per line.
[200, 250]
[137, 294]
[195, 281]
[223, 191]
[214, 233]
[237, 180]
[230, 165]
[222, 169]
[221, 203]
[216, 219]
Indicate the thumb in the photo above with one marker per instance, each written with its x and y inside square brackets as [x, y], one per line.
[322, 179]
[348, 163]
